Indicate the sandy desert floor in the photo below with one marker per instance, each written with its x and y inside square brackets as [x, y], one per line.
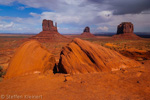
[125, 84]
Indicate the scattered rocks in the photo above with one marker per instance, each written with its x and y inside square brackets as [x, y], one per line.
[138, 74]
[138, 81]
[68, 78]
[139, 59]
[123, 70]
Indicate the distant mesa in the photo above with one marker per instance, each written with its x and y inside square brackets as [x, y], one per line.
[125, 27]
[30, 57]
[81, 56]
[49, 33]
[86, 32]
[125, 30]
[87, 29]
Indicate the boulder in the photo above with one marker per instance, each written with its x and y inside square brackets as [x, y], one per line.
[30, 57]
[81, 56]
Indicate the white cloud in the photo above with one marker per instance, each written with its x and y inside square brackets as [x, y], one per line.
[74, 2]
[105, 14]
[103, 28]
[60, 17]
[76, 13]
[21, 8]
[6, 2]
[34, 14]
[6, 25]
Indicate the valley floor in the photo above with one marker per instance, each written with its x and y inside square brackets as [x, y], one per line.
[128, 84]
[124, 84]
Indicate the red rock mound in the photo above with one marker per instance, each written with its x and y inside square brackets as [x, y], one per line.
[49, 33]
[30, 57]
[81, 56]
[86, 33]
[125, 31]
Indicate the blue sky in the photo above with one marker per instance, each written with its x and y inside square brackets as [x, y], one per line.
[25, 16]
[18, 11]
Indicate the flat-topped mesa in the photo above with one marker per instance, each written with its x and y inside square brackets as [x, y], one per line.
[125, 27]
[48, 25]
[125, 30]
[87, 29]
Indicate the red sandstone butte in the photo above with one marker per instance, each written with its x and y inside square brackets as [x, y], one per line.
[125, 31]
[48, 25]
[86, 33]
[49, 33]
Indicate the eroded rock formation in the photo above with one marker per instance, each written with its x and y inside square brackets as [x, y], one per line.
[125, 30]
[86, 33]
[125, 27]
[48, 25]
[81, 56]
[87, 29]
[30, 57]
[49, 33]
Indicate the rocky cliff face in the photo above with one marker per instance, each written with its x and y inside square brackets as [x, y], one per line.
[87, 29]
[125, 27]
[81, 56]
[30, 57]
[48, 25]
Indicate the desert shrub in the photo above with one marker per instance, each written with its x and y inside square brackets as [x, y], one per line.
[1, 68]
[1, 74]
[1, 71]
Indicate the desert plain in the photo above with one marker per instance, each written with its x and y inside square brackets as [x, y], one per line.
[123, 84]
